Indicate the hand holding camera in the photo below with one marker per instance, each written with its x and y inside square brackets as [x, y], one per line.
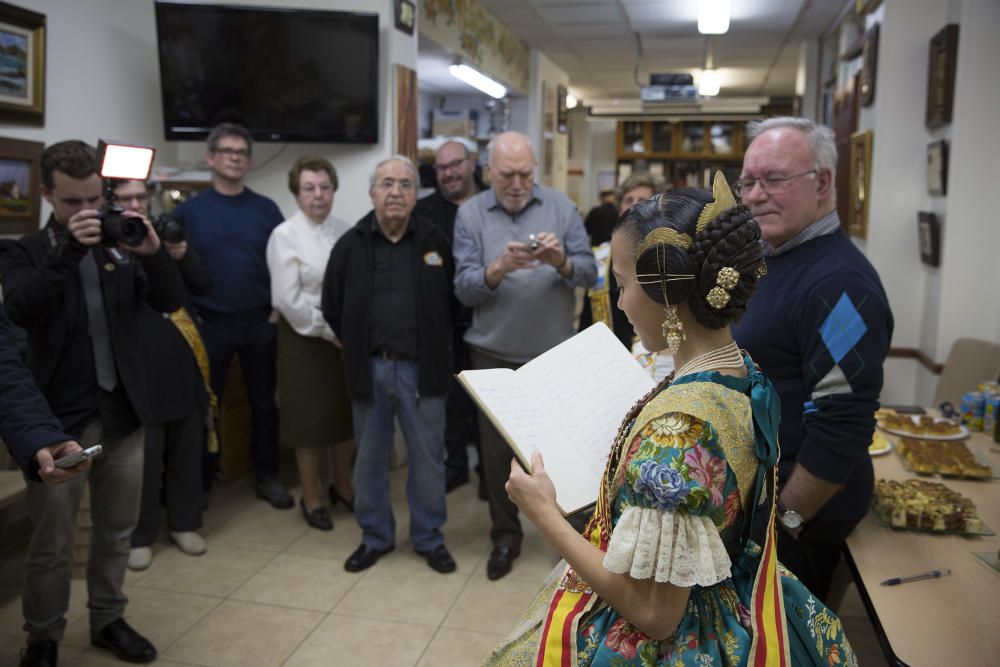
[546, 247]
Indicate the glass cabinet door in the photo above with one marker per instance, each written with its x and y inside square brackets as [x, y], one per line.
[720, 138]
[693, 137]
[633, 137]
[662, 136]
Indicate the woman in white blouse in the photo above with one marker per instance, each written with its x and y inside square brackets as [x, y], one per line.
[315, 408]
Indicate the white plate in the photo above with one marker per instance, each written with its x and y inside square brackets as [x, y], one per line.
[962, 434]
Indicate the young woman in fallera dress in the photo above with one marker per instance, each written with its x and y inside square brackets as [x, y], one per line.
[665, 573]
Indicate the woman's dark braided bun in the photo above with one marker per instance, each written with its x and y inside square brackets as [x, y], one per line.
[732, 239]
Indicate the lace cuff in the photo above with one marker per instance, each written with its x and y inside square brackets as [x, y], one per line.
[680, 549]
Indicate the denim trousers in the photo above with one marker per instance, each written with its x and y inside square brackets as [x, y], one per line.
[422, 420]
[257, 345]
[115, 479]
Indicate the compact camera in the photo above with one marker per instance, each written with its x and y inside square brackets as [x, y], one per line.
[533, 243]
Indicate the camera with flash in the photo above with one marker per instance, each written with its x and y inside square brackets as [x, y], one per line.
[121, 162]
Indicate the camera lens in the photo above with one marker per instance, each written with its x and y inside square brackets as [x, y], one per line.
[117, 227]
[169, 228]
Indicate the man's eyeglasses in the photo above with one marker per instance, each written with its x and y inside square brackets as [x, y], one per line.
[389, 184]
[238, 152]
[769, 184]
[454, 164]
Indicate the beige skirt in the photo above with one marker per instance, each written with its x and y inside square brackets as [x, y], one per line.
[315, 410]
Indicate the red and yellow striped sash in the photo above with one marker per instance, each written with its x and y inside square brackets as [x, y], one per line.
[767, 604]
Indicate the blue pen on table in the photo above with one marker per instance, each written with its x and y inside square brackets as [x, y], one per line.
[933, 574]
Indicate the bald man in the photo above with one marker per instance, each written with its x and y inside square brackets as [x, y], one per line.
[520, 251]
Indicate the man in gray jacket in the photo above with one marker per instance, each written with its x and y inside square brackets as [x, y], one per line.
[520, 251]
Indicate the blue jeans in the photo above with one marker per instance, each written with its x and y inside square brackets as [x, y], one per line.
[422, 419]
[115, 479]
[257, 345]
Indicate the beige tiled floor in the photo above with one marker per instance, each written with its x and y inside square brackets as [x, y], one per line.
[272, 592]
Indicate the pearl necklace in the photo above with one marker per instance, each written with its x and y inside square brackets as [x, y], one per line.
[727, 356]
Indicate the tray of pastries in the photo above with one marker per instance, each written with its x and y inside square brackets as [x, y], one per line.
[920, 426]
[916, 504]
[949, 458]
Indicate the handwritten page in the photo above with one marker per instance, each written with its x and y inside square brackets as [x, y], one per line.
[566, 404]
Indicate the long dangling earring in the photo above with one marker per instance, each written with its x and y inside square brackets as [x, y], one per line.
[673, 329]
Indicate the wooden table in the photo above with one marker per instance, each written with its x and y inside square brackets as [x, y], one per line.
[954, 620]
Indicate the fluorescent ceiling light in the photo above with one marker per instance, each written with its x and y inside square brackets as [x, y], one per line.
[713, 16]
[478, 80]
[709, 83]
[571, 101]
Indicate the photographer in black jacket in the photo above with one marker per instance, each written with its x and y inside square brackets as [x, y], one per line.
[82, 303]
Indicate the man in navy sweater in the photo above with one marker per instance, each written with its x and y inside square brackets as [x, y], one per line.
[819, 327]
[228, 226]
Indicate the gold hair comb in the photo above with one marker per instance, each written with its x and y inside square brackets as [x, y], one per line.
[724, 200]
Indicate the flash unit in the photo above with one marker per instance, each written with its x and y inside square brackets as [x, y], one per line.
[123, 161]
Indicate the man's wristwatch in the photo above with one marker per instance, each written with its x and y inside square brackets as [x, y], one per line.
[790, 519]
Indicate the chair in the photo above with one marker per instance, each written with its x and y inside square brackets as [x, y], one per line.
[970, 362]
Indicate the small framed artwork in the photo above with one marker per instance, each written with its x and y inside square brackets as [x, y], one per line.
[562, 113]
[861, 178]
[937, 168]
[20, 196]
[869, 60]
[406, 16]
[22, 65]
[929, 237]
[941, 76]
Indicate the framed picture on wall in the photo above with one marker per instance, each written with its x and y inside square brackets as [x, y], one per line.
[20, 196]
[937, 168]
[562, 113]
[22, 65]
[861, 178]
[941, 76]
[869, 60]
[929, 238]
[406, 16]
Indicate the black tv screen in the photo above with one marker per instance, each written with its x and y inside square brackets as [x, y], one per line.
[285, 74]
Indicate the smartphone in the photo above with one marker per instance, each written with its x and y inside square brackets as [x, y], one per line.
[73, 459]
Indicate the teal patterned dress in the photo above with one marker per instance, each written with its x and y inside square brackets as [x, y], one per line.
[689, 476]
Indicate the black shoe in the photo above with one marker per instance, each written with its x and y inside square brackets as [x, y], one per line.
[501, 561]
[439, 559]
[337, 498]
[317, 518]
[40, 653]
[364, 557]
[274, 492]
[127, 644]
[454, 478]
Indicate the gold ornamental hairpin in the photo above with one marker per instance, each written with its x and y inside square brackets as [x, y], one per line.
[723, 200]
[667, 236]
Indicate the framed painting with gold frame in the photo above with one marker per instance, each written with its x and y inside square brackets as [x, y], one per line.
[861, 178]
[20, 194]
[22, 50]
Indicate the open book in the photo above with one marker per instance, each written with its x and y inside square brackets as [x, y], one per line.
[566, 404]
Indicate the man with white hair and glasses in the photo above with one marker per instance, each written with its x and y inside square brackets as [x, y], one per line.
[820, 327]
[387, 295]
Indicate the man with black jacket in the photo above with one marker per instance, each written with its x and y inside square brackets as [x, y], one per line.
[82, 303]
[387, 296]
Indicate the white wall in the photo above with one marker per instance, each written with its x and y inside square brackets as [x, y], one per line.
[934, 306]
[545, 71]
[102, 80]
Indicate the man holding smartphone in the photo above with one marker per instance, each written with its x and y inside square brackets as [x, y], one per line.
[34, 437]
[81, 298]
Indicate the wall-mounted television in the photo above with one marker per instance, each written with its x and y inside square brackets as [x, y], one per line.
[285, 74]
